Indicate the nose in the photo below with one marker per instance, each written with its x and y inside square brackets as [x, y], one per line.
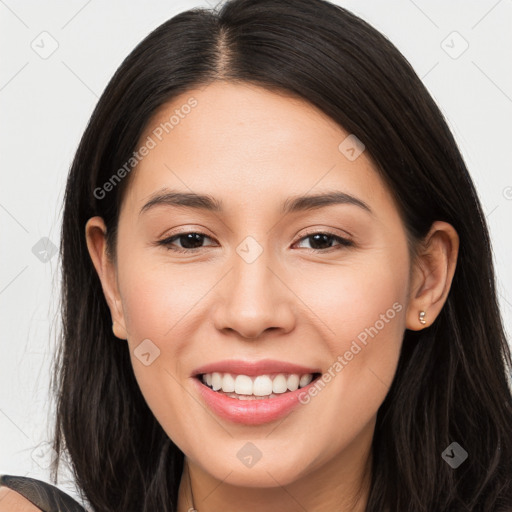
[254, 298]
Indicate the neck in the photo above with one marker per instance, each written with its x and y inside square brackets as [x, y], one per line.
[342, 484]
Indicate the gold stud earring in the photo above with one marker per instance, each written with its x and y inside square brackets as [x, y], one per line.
[422, 317]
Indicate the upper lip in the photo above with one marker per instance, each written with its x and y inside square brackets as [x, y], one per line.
[262, 367]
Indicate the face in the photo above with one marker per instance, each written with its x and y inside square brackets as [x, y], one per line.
[261, 279]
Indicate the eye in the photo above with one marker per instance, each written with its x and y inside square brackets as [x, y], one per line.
[319, 241]
[192, 242]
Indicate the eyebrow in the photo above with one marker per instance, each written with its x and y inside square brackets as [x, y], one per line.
[291, 205]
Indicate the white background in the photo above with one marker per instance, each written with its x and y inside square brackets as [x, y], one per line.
[46, 103]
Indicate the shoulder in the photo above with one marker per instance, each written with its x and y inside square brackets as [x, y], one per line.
[23, 494]
[12, 501]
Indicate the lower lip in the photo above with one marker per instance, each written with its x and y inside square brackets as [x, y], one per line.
[251, 412]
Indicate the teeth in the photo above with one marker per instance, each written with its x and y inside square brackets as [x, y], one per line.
[279, 384]
[216, 381]
[245, 387]
[293, 382]
[305, 380]
[262, 386]
[228, 383]
[243, 384]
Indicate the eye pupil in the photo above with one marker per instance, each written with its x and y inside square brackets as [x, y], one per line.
[191, 239]
[320, 237]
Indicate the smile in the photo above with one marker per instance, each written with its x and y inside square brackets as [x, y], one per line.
[260, 387]
[253, 393]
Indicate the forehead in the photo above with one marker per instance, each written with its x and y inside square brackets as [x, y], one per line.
[230, 139]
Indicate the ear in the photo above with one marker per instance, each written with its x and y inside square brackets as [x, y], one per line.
[95, 234]
[432, 274]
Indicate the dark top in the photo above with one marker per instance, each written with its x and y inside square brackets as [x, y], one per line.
[44, 496]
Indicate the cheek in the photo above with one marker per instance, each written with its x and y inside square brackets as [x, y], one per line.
[156, 303]
[352, 297]
[363, 308]
[158, 297]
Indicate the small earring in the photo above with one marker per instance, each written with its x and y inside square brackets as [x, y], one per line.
[422, 317]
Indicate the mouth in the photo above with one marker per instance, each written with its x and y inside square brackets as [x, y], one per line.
[256, 387]
[253, 392]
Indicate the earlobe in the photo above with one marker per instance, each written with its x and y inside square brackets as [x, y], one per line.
[95, 233]
[433, 273]
[119, 331]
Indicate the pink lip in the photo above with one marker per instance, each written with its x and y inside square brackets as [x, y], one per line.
[262, 367]
[251, 412]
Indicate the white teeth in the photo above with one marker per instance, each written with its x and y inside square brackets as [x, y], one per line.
[244, 387]
[262, 385]
[228, 383]
[305, 380]
[279, 384]
[292, 382]
[216, 381]
[243, 384]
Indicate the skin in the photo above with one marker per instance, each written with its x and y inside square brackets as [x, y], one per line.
[252, 149]
[12, 501]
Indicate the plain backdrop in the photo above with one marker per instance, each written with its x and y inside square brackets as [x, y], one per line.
[56, 59]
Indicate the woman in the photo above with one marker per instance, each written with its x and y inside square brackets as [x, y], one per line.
[211, 360]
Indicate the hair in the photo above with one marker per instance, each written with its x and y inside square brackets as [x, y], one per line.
[452, 379]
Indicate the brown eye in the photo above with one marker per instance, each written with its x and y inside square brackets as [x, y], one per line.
[322, 242]
[190, 242]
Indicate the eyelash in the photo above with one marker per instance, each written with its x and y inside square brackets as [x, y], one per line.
[343, 242]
